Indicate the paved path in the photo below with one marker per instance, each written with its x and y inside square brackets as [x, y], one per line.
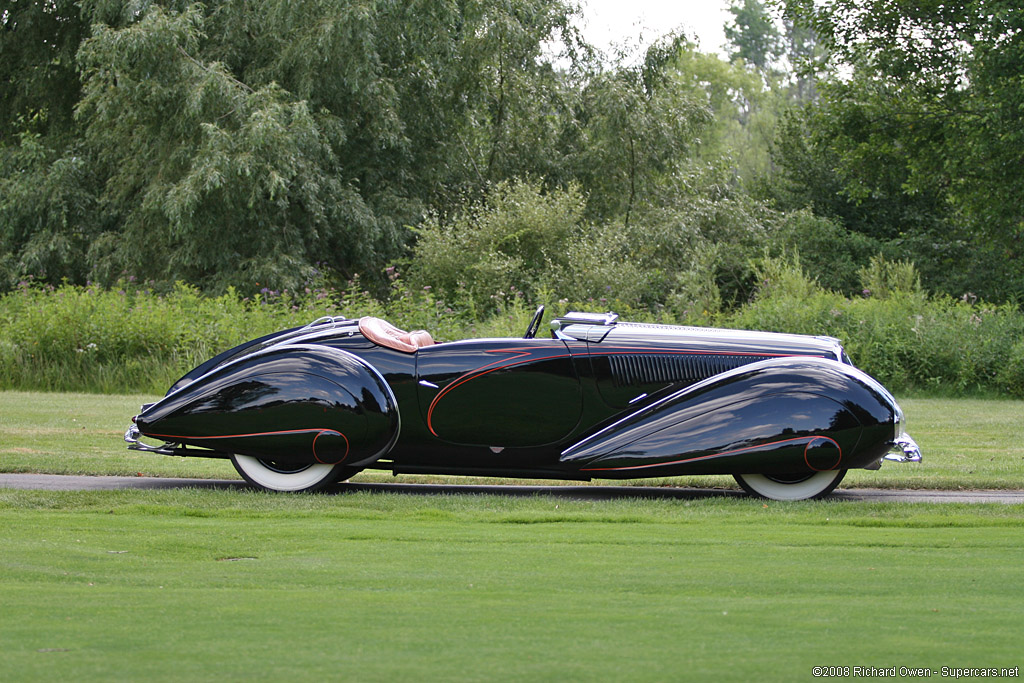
[56, 482]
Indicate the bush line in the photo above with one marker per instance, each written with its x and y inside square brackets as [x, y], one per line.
[132, 339]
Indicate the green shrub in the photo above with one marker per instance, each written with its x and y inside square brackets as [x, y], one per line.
[907, 340]
[506, 243]
[132, 339]
[830, 254]
[1011, 374]
[690, 256]
[882, 278]
[135, 340]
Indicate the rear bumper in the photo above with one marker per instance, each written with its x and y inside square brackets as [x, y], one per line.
[132, 437]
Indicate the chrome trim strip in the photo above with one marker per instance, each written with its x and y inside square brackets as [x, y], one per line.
[608, 318]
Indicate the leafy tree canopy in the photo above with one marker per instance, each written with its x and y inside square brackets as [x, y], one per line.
[919, 131]
[262, 144]
[753, 34]
[243, 143]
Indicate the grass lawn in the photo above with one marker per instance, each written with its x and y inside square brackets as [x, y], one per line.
[967, 443]
[239, 585]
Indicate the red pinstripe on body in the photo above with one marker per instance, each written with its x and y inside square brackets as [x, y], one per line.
[523, 356]
[319, 431]
[809, 439]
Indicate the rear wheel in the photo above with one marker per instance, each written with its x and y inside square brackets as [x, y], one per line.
[791, 486]
[277, 476]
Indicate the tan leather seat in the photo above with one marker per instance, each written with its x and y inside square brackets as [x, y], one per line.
[385, 334]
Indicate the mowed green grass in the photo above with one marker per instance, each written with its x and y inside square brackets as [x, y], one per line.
[64, 433]
[967, 443]
[239, 585]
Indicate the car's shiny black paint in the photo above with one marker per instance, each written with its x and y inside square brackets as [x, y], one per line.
[480, 379]
[302, 403]
[738, 417]
[594, 401]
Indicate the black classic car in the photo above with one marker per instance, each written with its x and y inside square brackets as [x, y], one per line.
[786, 415]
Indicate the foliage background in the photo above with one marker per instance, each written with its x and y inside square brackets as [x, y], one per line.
[134, 339]
[851, 168]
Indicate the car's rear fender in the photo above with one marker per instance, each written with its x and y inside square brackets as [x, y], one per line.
[299, 403]
[292, 334]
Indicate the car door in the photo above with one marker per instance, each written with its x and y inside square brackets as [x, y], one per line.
[499, 392]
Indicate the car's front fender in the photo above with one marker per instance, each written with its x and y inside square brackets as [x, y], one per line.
[778, 415]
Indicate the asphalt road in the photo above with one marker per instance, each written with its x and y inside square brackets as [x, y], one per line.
[55, 482]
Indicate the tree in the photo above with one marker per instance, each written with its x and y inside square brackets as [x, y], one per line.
[637, 127]
[753, 34]
[243, 143]
[745, 108]
[38, 81]
[922, 122]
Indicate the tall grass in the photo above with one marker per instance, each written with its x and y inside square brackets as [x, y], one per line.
[134, 339]
[129, 339]
[909, 340]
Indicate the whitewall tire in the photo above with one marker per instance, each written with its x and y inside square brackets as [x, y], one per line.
[275, 476]
[791, 487]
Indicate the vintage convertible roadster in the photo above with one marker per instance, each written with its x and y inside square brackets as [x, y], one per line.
[786, 415]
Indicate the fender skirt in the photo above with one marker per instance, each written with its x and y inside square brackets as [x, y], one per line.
[291, 404]
[782, 415]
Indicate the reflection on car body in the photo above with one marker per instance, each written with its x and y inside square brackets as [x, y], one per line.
[786, 415]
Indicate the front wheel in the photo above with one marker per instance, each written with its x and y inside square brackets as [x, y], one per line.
[790, 486]
[277, 476]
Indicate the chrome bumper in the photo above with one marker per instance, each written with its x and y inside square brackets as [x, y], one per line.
[132, 437]
[904, 449]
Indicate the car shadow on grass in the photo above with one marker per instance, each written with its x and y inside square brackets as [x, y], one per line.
[55, 482]
[567, 492]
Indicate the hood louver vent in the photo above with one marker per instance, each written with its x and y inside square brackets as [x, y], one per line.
[635, 370]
